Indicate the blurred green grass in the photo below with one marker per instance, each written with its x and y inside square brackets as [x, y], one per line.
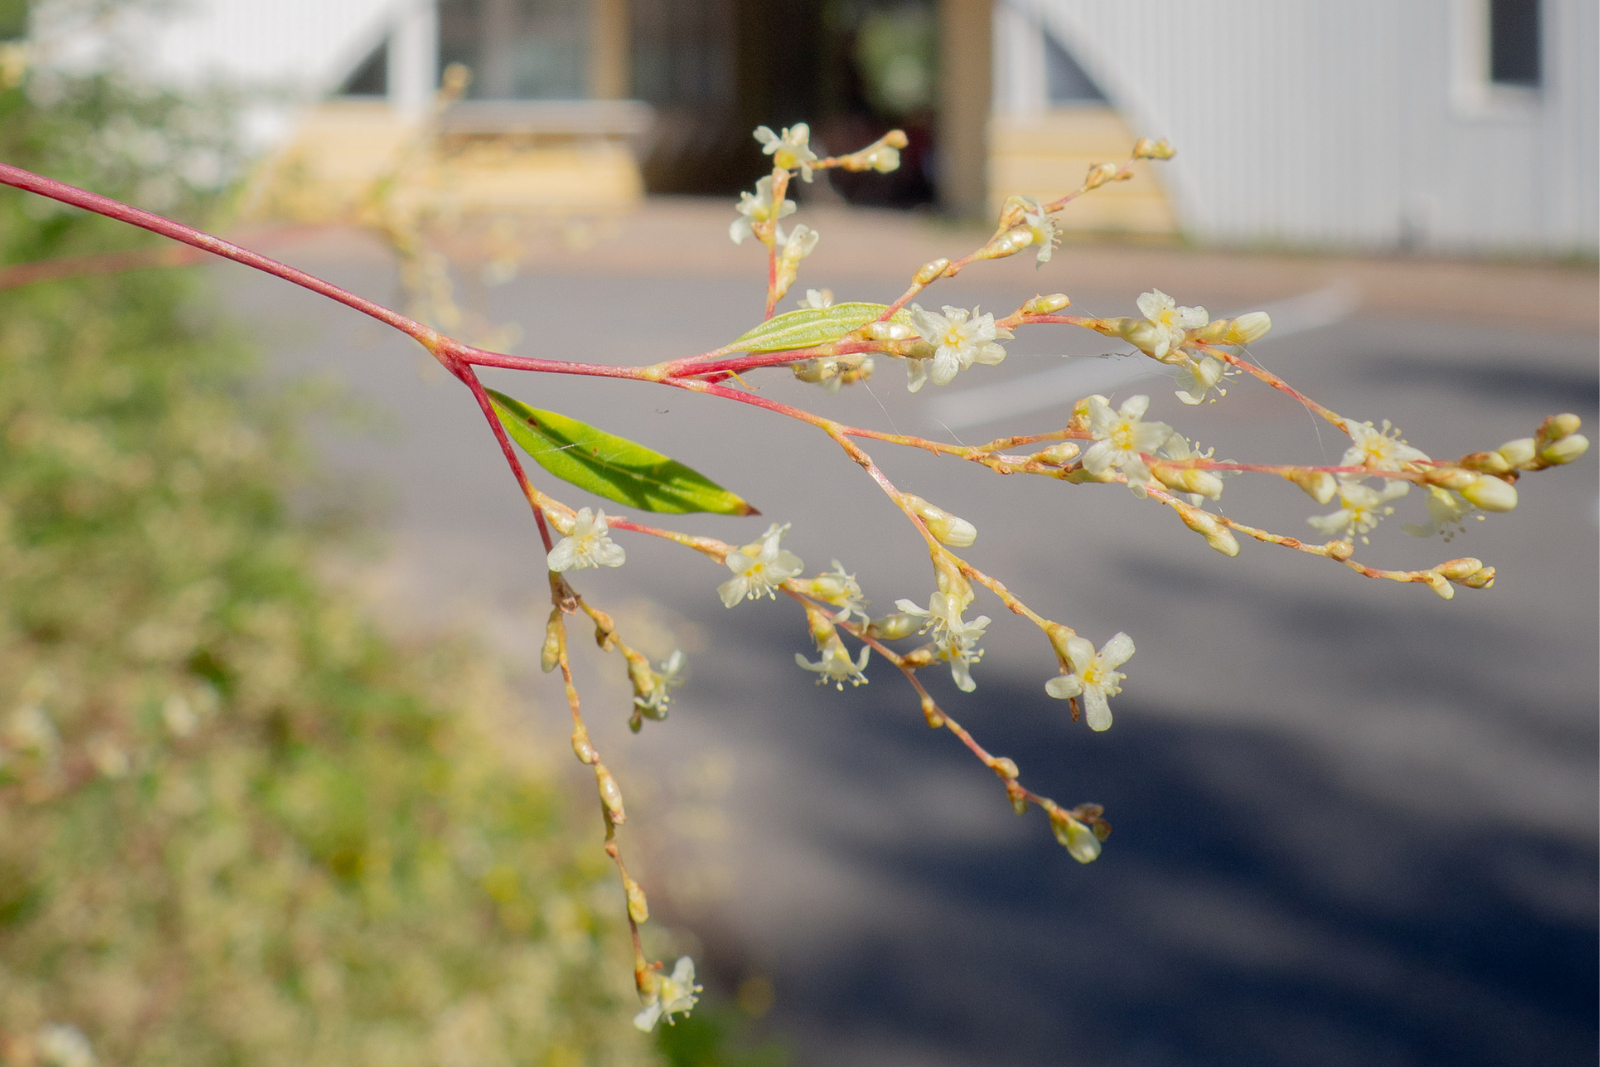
[238, 824]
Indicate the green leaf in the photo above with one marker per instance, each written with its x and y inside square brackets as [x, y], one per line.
[610, 466]
[812, 326]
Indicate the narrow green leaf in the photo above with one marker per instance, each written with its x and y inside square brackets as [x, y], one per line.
[812, 326]
[610, 466]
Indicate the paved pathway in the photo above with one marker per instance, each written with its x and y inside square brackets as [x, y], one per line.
[1355, 824]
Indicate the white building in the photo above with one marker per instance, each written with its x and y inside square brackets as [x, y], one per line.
[1449, 125]
[1456, 125]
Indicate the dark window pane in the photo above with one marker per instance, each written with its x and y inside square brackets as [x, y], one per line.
[1068, 83]
[518, 49]
[1514, 42]
[371, 78]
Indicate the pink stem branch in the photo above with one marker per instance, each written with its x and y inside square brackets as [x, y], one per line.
[114, 209]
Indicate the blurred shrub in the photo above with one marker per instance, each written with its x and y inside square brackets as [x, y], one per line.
[237, 825]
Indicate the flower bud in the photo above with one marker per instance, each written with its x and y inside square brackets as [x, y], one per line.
[1007, 244]
[1448, 477]
[1480, 579]
[894, 627]
[1248, 328]
[1556, 427]
[1083, 476]
[581, 746]
[887, 331]
[949, 580]
[1224, 541]
[610, 793]
[1188, 480]
[930, 710]
[1144, 335]
[1099, 174]
[1518, 453]
[1206, 525]
[821, 626]
[638, 906]
[1005, 768]
[1046, 305]
[1491, 494]
[1457, 569]
[1145, 148]
[1058, 454]
[1019, 799]
[1079, 841]
[920, 657]
[1319, 485]
[950, 529]
[1487, 462]
[1339, 550]
[928, 272]
[1439, 584]
[1012, 212]
[550, 654]
[1565, 450]
[604, 630]
[816, 370]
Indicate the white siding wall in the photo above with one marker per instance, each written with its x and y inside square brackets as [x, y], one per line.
[1315, 122]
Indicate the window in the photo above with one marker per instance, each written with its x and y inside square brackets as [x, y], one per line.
[1067, 82]
[1514, 42]
[371, 78]
[1498, 62]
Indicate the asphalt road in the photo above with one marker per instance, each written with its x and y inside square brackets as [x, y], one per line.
[1355, 824]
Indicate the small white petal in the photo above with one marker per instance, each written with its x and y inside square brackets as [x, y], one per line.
[1096, 710]
[1063, 686]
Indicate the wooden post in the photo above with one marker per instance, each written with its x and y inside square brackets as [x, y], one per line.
[609, 74]
[966, 49]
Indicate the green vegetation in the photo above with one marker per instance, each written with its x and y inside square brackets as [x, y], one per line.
[237, 824]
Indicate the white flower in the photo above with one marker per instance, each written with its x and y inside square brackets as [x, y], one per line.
[817, 299]
[791, 150]
[676, 994]
[1363, 508]
[587, 544]
[759, 567]
[836, 665]
[654, 704]
[1448, 512]
[1120, 438]
[1094, 676]
[758, 208]
[1042, 227]
[1198, 377]
[957, 640]
[959, 338]
[1166, 324]
[840, 590]
[1378, 450]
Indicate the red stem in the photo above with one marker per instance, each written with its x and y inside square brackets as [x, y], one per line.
[114, 209]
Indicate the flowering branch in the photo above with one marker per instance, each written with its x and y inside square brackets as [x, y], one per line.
[834, 345]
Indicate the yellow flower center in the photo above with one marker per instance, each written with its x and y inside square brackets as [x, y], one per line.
[1122, 435]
